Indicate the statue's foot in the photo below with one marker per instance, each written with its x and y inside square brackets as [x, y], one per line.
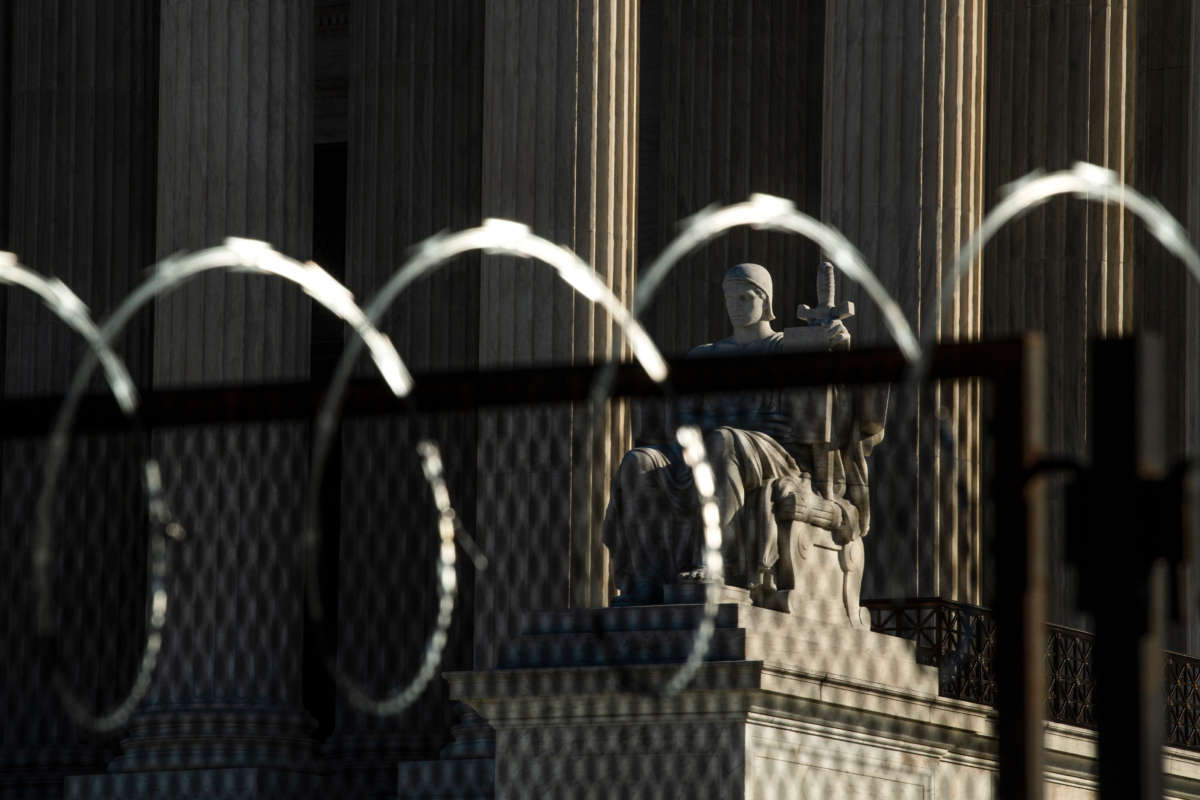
[642, 593]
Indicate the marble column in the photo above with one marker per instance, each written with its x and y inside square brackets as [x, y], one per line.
[1184, 325]
[234, 158]
[729, 99]
[1163, 289]
[80, 194]
[414, 166]
[77, 120]
[559, 143]
[1192, 400]
[903, 179]
[414, 160]
[1191, 404]
[6, 45]
[1161, 281]
[1061, 86]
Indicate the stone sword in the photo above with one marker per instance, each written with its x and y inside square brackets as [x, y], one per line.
[826, 310]
[820, 402]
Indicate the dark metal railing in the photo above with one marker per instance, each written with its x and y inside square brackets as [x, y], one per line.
[960, 640]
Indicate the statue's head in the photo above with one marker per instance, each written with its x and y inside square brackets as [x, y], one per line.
[743, 280]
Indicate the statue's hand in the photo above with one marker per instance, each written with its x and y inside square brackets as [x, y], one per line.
[786, 507]
[839, 337]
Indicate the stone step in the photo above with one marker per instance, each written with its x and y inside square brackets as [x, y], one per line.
[663, 634]
[627, 618]
[617, 648]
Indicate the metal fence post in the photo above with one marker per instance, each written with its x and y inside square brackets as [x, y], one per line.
[1120, 538]
[1020, 611]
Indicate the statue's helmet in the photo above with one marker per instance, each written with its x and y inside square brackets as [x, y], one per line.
[757, 276]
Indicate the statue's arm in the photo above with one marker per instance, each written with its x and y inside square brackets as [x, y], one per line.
[837, 337]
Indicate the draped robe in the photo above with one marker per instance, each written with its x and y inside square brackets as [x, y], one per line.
[757, 452]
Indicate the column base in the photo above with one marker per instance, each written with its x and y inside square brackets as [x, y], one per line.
[37, 772]
[205, 737]
[248, 783]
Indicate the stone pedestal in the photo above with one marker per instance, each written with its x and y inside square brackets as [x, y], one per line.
[783, 707]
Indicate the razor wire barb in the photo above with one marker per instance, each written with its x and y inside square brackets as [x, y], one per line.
[239, 255]
[1083, 181]
[67, 306]
[447, 584]
[493, 236]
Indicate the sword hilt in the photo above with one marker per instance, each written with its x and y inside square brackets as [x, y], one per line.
[827, 309]
[825, 284]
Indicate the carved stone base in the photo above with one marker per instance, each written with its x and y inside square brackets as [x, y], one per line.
[664, 635]
[800, 604]
[785, 707]
[817, 577]
[782, 707]
[695, 593]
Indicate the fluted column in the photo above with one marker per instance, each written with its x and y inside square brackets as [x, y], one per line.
[559, 144]
[234, 158]
[1192, 401]
[1164, 293]
[76, 201]
[730, 92]
[1189, 371]
[1191, 405]
[414, 166]
[902, 179]
[81, 193]
[415, 105]
[1061, 87]
[6, 46]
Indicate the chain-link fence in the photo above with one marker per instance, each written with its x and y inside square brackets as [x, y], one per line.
[556, 675]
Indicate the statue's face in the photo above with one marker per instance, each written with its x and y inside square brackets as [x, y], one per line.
[744, 302]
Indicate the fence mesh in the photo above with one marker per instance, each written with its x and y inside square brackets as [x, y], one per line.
[548, 683]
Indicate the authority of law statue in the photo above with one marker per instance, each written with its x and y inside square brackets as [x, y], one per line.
[791, 477]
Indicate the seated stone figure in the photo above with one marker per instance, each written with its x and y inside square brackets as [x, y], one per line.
[791, 472]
